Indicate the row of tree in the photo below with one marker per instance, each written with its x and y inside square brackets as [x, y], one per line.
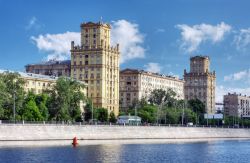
[62, 103]
[164, 107]
[59, 103]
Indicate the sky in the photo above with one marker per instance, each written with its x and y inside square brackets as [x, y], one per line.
[155, 35]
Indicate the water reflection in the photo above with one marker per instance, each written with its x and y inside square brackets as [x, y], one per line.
[216, 151]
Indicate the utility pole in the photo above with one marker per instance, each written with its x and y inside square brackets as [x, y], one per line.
[136, 114]
[14, 107]
[14, 102]
[92, 111]
[182, 117]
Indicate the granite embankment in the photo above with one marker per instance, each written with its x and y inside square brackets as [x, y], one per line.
[87, 132]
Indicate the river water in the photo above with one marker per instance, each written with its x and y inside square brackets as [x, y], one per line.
[201, 152]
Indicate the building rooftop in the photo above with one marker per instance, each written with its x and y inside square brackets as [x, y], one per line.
[31, 75]
[235, 94]
[37, 76]
[149, 73]
[91, 24]
[52, 62]
[200, 56]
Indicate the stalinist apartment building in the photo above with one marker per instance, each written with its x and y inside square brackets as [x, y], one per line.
[200, 82]
[96, 62]
[137, 84]
[237, 105]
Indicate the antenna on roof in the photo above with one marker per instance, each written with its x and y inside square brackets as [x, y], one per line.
[101, 19]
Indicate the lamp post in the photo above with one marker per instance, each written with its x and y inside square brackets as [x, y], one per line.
[136, 114]
[92, 111]
[14, 107]
[182, 117]
[14, 100]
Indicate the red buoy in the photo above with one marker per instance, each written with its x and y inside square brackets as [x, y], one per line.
[75, 143]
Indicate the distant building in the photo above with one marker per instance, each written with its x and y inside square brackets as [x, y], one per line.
[136, 84]
[37, 83]
[50, 68]
[200, 82]
[237, 105]
[96, 62]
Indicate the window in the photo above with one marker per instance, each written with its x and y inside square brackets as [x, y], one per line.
[94, 35]
[86, 62]
[80, 62]
[86, 56]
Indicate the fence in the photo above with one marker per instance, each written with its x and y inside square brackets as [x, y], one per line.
[7, 122]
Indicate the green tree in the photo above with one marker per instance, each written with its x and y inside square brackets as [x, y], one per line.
[64, 104]
[197, 106]
[30, 111]
[42, 102]
[11, 86]
[101, 114]
[88, 110]
[112, 117]
[173, 116]
[3, 95]
[147, 113]
[157, 96]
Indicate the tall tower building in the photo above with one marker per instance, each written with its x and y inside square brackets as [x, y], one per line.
[97, 63]
[200, 82]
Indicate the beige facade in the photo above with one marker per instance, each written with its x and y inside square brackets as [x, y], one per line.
[96, 62]
[37, 83]
[138, 84]
[51, 68]
[200, 82]
[237, 105]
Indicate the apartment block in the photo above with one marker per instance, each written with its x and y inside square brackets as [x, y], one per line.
[137, 84]
[96, 63]
[51, 68]
[237, 105]
[200, 82]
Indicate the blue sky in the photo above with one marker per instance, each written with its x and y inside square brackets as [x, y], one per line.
[156, 35]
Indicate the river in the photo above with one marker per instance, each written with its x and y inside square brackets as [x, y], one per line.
[200, 152]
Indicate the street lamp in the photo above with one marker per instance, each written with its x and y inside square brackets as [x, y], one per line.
[92, 111]
[182, 117]
[14, 100]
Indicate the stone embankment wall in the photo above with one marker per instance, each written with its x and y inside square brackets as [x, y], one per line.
[87, 132]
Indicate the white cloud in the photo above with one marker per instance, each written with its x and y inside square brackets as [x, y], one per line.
[221, 91]
[127, 34]
[193, 36]
[242, 39]
[57, 45]
[242, 75]
[153, 67]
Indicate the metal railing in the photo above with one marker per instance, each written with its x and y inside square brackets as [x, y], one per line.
[65, 123]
